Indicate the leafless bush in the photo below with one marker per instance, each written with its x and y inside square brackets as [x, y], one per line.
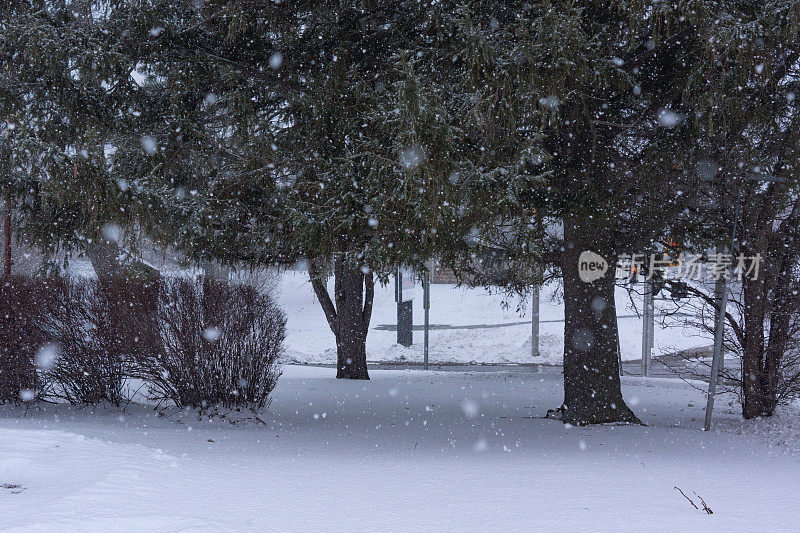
[699, 313]
[263, 280]
[195, 342]
[217, 344]
[70, 339]
[96, 329]
[25, 304]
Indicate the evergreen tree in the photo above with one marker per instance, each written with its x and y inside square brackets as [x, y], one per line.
[65, 92]
[302, 130]
[754, 136]
[615, 97]
[360, 136]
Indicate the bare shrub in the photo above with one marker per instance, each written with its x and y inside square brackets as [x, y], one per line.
[778, 351]
[98, 327]
[195, 342]
[25, 304]
[217, 344]
[263, 280]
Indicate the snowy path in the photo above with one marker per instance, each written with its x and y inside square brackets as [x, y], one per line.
[406, 450]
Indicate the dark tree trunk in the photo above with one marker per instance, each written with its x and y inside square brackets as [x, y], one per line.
[132, 292]
[105, 258]
[779, 334]
[592, 393]
[761, 359]
[5, 168]
[7, 240]
[770, 378]
[349, 318]
[351, 335]
[215, 271]
[753, 349]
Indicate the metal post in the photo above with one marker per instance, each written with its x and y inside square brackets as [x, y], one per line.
[645, 341]
[535, 322]
[719, 289]
[405, 336]
[648, 319]
[426, 303]
[652, 327]
[719, 334]
[719, 328]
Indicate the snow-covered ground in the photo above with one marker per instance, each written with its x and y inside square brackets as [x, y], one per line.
[309, 340]
[408, 450]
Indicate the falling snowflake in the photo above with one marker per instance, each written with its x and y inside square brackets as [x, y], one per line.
[26, 395]
[412, 157]
[211, 333]
[470, 408]
[111, 231]
[149, 144]
[668, 118]
[47, 355]
[551, 102]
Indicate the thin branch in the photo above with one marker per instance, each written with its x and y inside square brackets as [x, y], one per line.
[369, 296]
[322, 295]
[688, 498]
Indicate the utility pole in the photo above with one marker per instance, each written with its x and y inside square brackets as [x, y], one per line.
[719, 288]
[719, 335]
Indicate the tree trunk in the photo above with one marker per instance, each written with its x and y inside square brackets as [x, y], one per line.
[592, 393]
[105, 258]
[7, 240]
[349, 318]
[753, 349]
[770, 378]
[131, 290]
[779, 335]
[5, 168]
[215, 271]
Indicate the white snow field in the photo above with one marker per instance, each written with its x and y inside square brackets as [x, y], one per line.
[408, 450]
[309, 340]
